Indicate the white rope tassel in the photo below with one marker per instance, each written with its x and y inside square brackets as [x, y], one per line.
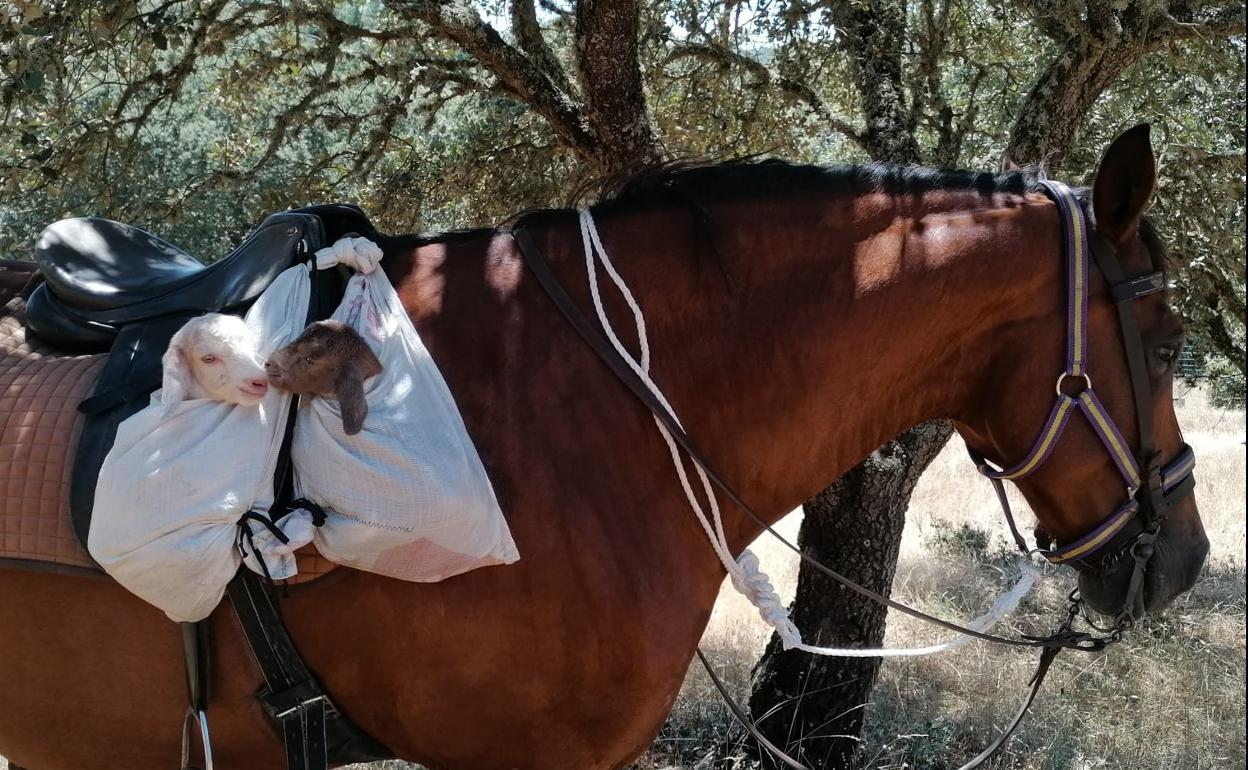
[745, 571]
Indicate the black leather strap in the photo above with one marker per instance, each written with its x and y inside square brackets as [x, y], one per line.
[315, 732]
[744, 719]
[1139, 286]
[1133, 346]
[1037, 679]
[291, 696]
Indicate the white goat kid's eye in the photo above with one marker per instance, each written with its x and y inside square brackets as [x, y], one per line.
[208, 359]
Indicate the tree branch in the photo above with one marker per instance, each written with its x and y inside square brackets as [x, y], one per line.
[1182, 23]
[529, 35]
[610, 78]
[459, 22]
[764, 77]
[875, 33]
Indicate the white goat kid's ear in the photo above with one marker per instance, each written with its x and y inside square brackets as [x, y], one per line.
[175, 383]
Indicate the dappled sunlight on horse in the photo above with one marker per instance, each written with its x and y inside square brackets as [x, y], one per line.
[822, 312]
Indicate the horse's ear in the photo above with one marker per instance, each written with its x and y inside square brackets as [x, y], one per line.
[1124, 183]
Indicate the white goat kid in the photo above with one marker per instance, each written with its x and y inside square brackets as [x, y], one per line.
[213, 357]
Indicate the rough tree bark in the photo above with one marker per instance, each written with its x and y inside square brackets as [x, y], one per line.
[602, 117]
[1096, 42]
[813, 705]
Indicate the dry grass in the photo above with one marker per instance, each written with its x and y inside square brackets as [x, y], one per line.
[1171, 697]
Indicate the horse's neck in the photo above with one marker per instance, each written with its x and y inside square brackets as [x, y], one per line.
[829, 326]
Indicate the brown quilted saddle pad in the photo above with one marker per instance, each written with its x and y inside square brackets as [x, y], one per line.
[40, 390]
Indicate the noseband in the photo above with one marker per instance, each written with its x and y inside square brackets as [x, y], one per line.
[1151, 488]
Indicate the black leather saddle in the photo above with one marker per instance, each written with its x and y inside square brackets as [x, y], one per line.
[101, 276]
[111, 286]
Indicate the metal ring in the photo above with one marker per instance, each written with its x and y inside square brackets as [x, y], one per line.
[1087, 381]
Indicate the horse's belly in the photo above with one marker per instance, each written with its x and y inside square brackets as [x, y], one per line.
[91, 676]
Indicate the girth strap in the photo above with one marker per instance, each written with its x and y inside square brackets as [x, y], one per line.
[291, 695]
[314, 731]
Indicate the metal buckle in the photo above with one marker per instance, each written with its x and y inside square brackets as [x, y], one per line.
[299, 705]
[1087, 382]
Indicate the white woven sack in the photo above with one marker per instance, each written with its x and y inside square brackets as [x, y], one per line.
[174, 485]
[407, 496]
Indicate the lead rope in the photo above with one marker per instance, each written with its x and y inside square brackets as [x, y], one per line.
[745, 571]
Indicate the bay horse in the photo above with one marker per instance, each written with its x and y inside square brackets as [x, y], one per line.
[822, 312]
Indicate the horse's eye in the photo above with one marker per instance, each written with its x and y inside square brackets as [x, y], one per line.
[208, 358]
[1165, 356]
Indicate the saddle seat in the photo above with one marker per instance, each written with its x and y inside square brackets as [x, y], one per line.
[101, 275]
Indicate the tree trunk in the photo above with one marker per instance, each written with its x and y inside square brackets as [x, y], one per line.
[810, 704]
[814, 704]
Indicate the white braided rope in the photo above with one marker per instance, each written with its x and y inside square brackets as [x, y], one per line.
[745, 571]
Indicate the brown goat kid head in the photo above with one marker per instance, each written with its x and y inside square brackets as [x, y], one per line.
[331, 360]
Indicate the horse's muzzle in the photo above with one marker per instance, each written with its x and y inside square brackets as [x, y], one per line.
[1174, 568]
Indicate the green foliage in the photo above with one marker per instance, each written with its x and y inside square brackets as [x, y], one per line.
[962, 540]
[1226, 384]
[195, 118]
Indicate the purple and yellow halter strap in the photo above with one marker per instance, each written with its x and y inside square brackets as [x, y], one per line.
[1076, 235]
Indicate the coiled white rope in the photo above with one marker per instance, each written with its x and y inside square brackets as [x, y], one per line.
[747, 576]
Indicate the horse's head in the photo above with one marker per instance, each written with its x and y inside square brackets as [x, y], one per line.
[1109, 476]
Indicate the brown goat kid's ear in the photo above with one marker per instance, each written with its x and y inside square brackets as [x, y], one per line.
[349, 388]
[1124, 184]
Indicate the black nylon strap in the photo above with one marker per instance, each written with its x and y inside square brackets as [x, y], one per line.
[1139, 286]
[554, 289]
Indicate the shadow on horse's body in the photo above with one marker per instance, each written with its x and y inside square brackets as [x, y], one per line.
[834, 309]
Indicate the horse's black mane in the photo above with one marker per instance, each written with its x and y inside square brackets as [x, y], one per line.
[686, 181]
[693, 183]
[771, 176]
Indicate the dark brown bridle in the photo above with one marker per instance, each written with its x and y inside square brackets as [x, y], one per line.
[1152, 489]
[1134, 525]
